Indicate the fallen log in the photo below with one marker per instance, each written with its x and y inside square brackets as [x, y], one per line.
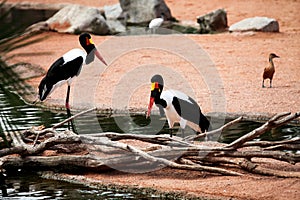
[102, 151]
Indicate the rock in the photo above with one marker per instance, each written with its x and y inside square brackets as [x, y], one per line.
[264, 24]
[113, 11]
[213, 21]
[141, 12]
[115, 26]
[38, 27]
[77, 19]
[112, 14]
[185, 27]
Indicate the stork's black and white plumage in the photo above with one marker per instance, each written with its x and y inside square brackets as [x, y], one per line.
[67, 67]
[178, 107]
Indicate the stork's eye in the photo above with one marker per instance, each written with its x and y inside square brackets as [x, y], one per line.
[87, 41]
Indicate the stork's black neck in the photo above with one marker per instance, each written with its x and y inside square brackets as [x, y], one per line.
[161, 102]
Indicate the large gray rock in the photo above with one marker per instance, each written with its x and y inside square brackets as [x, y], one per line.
[143, 11]
[213, 21]
[264, 24]
[112, 11]
[77, 19]
[112, 14]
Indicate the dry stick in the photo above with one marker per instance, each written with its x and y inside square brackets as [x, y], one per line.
[73, 117]
[163, 140]
[151, 158]
[272, 123]
[36, 138]
[269, 144]
[219, 130]
[256, 168]
[172, 164]
[284, 147]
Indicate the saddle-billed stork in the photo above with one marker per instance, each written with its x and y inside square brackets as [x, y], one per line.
[67, 67]
[178, 107]
[270, 70]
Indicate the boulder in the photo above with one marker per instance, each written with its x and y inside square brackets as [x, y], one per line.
[77, 19]
[112, 14]
[213, 21]
[112, 11]
[263, 24]
[115, 26]
[141, 12]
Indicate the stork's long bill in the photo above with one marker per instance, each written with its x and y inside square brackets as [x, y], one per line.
[98, 55]
[91, 49]
[154, 87]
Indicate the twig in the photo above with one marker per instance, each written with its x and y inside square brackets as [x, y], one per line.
[163, 140]
[36, 138]
[73, 117]
[274, 122]
[268, 143]
[216, 131]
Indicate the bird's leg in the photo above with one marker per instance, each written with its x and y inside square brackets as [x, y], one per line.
[171, 132]
[263, 83]
[68, 110]
[270, 83]
[182, 133]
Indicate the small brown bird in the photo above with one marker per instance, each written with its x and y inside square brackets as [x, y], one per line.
[270, 70]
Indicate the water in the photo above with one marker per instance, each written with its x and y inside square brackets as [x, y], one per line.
[16, 115]
[24, 186]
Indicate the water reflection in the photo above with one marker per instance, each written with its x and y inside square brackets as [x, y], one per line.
[15, 115]
[30, 186]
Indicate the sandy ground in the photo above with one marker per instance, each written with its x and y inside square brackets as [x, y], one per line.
[239, 60]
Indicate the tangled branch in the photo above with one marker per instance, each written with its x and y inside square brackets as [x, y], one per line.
[104, 150]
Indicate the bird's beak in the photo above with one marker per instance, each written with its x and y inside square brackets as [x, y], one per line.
[96, 52]
[98, 55]
[150, 107]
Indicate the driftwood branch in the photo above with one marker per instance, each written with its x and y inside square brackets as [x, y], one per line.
[73, 117]
[276, 121]
[216, 131]
[105, 150]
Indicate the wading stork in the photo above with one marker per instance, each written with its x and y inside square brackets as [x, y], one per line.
[67, 67]
[178, 107]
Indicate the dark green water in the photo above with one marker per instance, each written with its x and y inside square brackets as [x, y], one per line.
[29, 186]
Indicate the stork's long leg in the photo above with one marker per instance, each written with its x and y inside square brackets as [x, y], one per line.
[68, 110]
[182, 133]
[171, 132]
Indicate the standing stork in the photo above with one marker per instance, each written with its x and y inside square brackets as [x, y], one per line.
[178, 107]
[270, 70]
[67, 67]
